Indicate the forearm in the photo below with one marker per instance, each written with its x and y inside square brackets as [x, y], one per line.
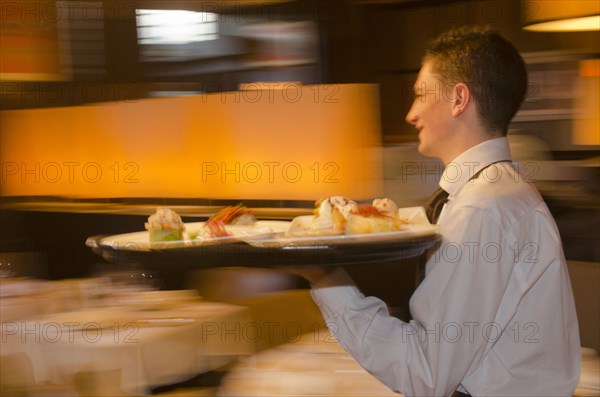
[386, 347]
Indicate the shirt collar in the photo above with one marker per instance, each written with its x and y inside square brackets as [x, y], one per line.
[459, 171]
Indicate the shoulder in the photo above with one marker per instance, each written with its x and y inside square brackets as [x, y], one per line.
[502, 193]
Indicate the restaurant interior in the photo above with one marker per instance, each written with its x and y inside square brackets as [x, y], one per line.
[112, 109]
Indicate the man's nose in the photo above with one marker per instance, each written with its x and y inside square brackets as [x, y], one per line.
[411, 118]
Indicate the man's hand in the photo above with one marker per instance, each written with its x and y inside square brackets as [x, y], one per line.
[310, 273]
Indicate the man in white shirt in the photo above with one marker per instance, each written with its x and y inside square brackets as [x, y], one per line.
[495, 314]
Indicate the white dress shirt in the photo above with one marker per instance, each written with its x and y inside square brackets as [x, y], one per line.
[495, 315]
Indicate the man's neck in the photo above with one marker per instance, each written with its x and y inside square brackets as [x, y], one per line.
[465, 141]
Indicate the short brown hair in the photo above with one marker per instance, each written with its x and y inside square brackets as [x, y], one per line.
[486, 62]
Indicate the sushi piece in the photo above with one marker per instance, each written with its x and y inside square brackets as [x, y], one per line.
[165, 225]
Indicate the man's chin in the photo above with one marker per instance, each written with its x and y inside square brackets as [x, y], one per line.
[422, 149]
[426, 151]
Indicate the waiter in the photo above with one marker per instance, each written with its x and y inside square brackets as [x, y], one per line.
[494, 315]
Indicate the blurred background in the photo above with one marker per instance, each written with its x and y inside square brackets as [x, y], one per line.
[102, 66]
[111, 108]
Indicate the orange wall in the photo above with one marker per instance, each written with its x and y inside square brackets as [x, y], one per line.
[276, 142]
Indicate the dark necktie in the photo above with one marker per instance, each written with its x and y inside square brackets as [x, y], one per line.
[434, 205]
[433, 208]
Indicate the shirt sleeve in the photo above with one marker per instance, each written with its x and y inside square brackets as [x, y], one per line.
[466, 279]
[380, 343]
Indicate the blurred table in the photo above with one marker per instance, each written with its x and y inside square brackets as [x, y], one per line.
[317, 365]
[589, 379]
[313, 365]
[148, 340]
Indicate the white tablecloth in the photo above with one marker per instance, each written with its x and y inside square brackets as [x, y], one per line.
[150, 342]
[589, 380]
[314, 365]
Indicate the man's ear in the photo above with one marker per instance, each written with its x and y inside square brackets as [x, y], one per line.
[462, 99]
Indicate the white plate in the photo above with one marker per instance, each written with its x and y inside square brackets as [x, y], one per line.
[140, 241]
[274, 234]
[417, 227]
[410, 233]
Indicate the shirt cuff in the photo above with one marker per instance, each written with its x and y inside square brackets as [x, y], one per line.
[334, 278]
[333, 292]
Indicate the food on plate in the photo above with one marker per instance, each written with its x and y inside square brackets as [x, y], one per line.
[366, 218]
[386, 206]
[236, 215]
[330, 215]
[165, 225]
[340, 215]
